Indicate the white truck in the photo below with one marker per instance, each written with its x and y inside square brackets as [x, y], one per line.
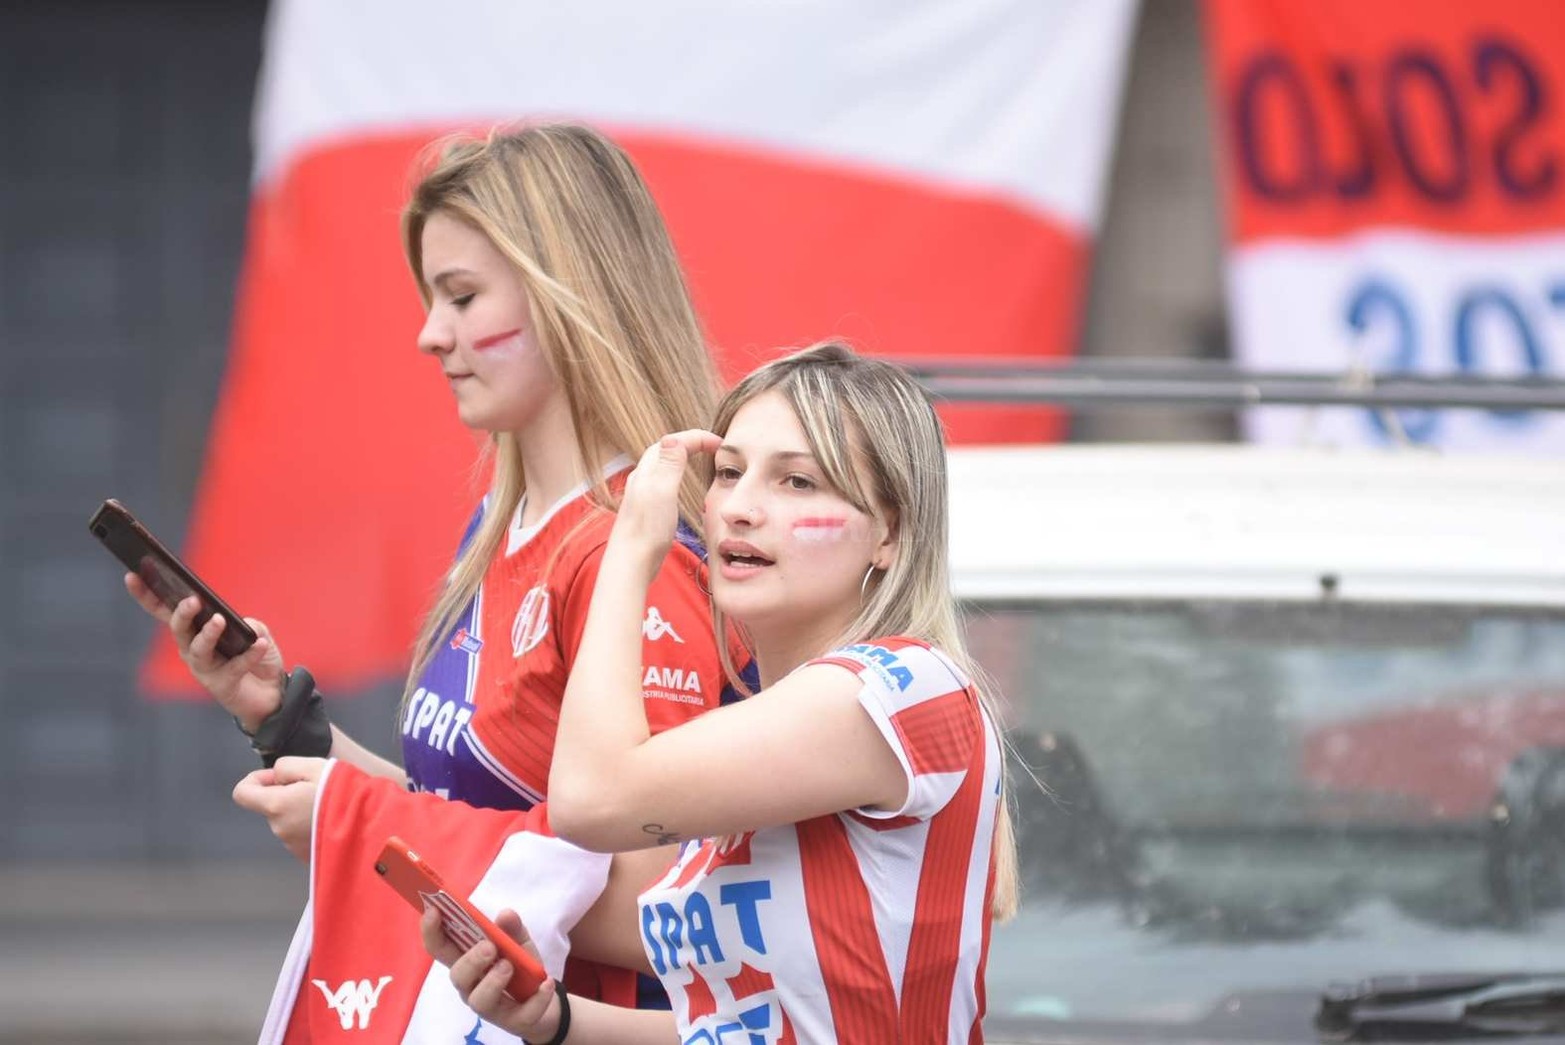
[1300, 715]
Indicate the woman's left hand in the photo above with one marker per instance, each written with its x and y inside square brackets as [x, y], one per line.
[285, 795]
[480, 977]
[649, 511]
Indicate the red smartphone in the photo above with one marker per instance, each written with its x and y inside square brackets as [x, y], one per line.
[407, 872]
[162, 571]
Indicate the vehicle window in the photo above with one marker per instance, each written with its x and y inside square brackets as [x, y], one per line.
[1248, 797]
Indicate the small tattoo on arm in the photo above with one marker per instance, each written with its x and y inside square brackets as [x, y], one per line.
[663, 835]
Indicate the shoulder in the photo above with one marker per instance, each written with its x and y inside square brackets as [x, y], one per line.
[905, 669]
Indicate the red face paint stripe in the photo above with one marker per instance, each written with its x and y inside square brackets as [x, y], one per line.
[825, 524]
[495, 339]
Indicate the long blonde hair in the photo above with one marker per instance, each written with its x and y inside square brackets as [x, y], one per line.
[608, 302]
[866, 417]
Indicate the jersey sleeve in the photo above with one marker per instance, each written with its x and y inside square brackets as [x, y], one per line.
[681, 674]
[925, 709]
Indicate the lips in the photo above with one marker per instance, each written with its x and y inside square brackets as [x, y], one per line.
[742, 554]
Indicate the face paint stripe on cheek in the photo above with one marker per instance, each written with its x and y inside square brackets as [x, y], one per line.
[814, 530]
[494, 339]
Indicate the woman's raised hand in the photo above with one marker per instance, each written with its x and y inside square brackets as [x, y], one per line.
[247, 685]
[649, 511]
[481, 980]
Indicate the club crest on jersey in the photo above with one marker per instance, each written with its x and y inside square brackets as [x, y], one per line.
[466, 640]
[532, 621]
[655, 627]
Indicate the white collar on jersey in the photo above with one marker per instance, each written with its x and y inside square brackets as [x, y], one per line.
[518, 535]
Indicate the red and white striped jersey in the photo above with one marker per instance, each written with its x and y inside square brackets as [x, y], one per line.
[859, 926]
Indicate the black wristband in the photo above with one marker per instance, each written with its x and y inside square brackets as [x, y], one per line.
[299, 726]
[565, 1019]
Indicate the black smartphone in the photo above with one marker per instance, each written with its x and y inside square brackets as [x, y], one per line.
[162, 571]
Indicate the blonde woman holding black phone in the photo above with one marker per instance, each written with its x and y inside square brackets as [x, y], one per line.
[559, 319]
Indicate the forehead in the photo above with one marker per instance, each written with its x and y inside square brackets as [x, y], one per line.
[766, 424]
[448, 242]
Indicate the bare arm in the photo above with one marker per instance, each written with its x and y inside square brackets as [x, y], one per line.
[802, 748]
[609, 931]
[351, 751]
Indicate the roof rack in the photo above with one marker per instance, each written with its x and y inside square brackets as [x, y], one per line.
[1206, 384]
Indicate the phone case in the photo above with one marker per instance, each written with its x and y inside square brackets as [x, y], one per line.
[417, 883]
[163, 572]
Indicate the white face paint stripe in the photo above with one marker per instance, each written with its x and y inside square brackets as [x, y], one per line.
[816, 531]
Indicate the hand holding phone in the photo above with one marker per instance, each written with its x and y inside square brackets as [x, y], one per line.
[165, 575]
[417, 883]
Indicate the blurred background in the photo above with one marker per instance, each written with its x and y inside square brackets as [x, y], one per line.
[132, 172]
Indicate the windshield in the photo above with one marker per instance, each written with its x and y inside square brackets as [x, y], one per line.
[1250, 797]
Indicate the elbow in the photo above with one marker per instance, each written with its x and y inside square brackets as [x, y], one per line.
[585, 817]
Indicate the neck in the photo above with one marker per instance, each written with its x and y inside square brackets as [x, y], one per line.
[552, 461]
[782, 648]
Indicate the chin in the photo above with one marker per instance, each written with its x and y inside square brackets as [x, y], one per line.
[743, 606]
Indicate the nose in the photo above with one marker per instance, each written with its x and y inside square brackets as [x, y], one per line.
[435, 337]
[741, 507]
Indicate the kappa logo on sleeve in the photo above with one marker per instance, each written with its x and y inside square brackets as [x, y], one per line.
[354, 999]
[655, 627]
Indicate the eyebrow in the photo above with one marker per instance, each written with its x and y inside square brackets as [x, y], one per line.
[782, 455]
[445, 276]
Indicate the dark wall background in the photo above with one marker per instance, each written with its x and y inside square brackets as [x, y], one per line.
[123, 195]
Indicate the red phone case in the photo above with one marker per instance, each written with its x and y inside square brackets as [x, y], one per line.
[407, 872]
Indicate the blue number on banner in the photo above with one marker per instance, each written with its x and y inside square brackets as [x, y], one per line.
[1493, 299]
[1379, 295]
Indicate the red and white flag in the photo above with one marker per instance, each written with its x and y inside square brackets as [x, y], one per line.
[921, 177]
[357, 970]
[1395, 178]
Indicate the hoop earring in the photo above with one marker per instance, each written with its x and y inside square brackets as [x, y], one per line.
[864, 584]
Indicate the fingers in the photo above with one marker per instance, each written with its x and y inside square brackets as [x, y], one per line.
[677, 447]
[488, 994]
[145, 598]
[203, 643]
[444, 949]
[511, 923]
[253, 792]
[247, 663]
[693, 441]
[663, 463]
[481, 980]
[470, 967]
[287, 807]
[290, 769]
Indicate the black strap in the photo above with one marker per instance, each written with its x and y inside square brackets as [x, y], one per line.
[565, 1019]
[299, 726]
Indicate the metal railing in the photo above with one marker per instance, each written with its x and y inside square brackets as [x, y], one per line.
[1215, 385]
